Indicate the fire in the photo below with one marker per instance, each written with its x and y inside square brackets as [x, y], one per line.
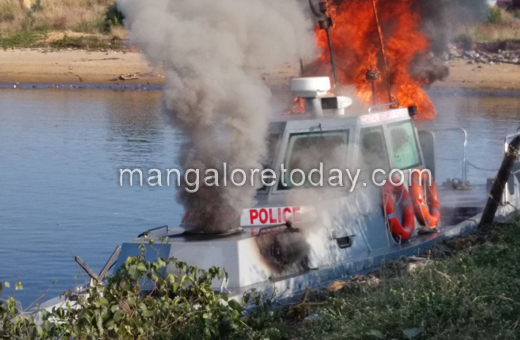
[357, 49]
[298, 107]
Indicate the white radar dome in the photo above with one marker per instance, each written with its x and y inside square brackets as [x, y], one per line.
[310, 87]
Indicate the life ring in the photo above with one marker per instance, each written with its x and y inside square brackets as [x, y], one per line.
[390, 192]
[428, 214]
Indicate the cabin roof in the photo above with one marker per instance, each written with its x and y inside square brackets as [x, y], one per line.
[278, 124]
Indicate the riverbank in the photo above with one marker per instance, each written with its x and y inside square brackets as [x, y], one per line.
[496, 77]
[108, 67]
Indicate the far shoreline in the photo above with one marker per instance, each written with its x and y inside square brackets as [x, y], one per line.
[443, 89]
[82, 69]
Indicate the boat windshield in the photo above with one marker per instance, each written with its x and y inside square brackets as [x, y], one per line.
[308, 151]
[405, 150]
[373, 152]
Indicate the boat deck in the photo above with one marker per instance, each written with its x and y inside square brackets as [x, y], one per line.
[459, 205]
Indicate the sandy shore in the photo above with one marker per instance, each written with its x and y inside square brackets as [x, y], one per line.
[498, 77]
[77, 66]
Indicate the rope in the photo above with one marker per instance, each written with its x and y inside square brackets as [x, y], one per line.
[449, 159]
[479, 168]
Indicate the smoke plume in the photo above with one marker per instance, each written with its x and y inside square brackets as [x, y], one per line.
[440, 17]
[209, 50]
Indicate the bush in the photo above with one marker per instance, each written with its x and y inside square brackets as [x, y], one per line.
[6, 13]
[113, 17]
[175, 306]
[495, 15]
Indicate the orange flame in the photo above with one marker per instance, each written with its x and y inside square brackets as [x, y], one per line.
[298, 107]
[357, 49]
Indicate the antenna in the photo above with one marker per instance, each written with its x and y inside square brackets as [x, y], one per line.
[325, 23]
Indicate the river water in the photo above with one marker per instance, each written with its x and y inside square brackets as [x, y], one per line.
[61, 150]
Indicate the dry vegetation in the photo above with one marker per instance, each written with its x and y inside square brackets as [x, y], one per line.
[29, 22]
[500, 25]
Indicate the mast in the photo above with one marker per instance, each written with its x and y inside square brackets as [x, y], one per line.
[383, 52]
[325, 23]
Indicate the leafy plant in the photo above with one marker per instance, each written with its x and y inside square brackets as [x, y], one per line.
[138, 302]
[113, 17]
[495, 15]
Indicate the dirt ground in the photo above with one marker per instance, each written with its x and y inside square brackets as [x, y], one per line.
[483, 77]
[77, 66]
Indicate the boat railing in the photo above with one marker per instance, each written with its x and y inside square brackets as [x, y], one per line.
[382, 106]
[464, 152]
[145, 233]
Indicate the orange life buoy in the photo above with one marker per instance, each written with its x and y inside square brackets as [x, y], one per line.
[390, 192]
[429, 213]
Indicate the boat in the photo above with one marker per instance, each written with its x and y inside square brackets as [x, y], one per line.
[328, 233]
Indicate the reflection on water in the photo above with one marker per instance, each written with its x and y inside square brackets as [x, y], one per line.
[60, 151]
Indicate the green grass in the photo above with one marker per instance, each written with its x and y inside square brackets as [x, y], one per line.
[34, 38]
[22, 39]
[86, 42]
[473, 295]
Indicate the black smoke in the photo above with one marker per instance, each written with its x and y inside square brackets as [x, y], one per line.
[439, 20]
[441, 17]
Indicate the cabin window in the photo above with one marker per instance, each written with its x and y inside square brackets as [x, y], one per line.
[272, 146]
[373, 149]
[306, 151]
[405, 151]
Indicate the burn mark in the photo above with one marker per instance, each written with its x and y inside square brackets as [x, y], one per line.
[283, 247]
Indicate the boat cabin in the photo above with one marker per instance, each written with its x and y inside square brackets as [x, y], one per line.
[384, 139]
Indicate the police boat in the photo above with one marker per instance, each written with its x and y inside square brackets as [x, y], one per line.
[297, 238]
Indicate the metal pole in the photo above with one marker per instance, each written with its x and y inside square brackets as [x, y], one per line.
[464, 161]
[374, 96]
[383, 52]
[332, 62]
[325, 23]
[500, 182]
